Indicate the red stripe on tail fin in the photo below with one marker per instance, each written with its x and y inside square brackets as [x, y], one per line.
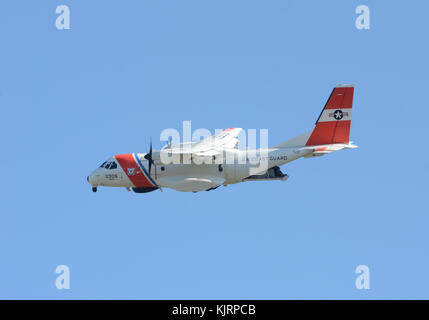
[333, 124]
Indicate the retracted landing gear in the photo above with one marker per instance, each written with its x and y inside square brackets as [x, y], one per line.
[94, 189]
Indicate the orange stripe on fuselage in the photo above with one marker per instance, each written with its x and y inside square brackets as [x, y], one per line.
[133, 171]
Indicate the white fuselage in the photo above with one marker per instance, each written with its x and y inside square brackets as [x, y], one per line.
[132, 170]
[215, 160]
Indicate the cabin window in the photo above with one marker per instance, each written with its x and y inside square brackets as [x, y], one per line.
[113, 165]
[102, 165]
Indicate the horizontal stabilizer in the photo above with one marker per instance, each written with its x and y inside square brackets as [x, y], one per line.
[317, 151]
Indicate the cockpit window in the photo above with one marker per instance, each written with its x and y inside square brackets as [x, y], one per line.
[109, 165]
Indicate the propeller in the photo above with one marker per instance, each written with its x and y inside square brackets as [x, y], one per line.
[148, 157]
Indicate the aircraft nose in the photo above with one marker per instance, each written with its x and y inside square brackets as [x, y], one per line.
[94, 178]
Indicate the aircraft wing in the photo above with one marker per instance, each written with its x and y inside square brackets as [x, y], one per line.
[225, 139]
[210, 146]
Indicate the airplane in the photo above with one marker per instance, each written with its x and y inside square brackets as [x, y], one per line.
[216, 160]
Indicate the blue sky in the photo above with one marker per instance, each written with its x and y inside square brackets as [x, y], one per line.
[124, 72]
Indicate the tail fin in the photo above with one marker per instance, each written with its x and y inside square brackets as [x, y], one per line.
[333, 124]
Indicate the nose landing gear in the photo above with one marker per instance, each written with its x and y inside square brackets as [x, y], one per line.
[94, 189]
